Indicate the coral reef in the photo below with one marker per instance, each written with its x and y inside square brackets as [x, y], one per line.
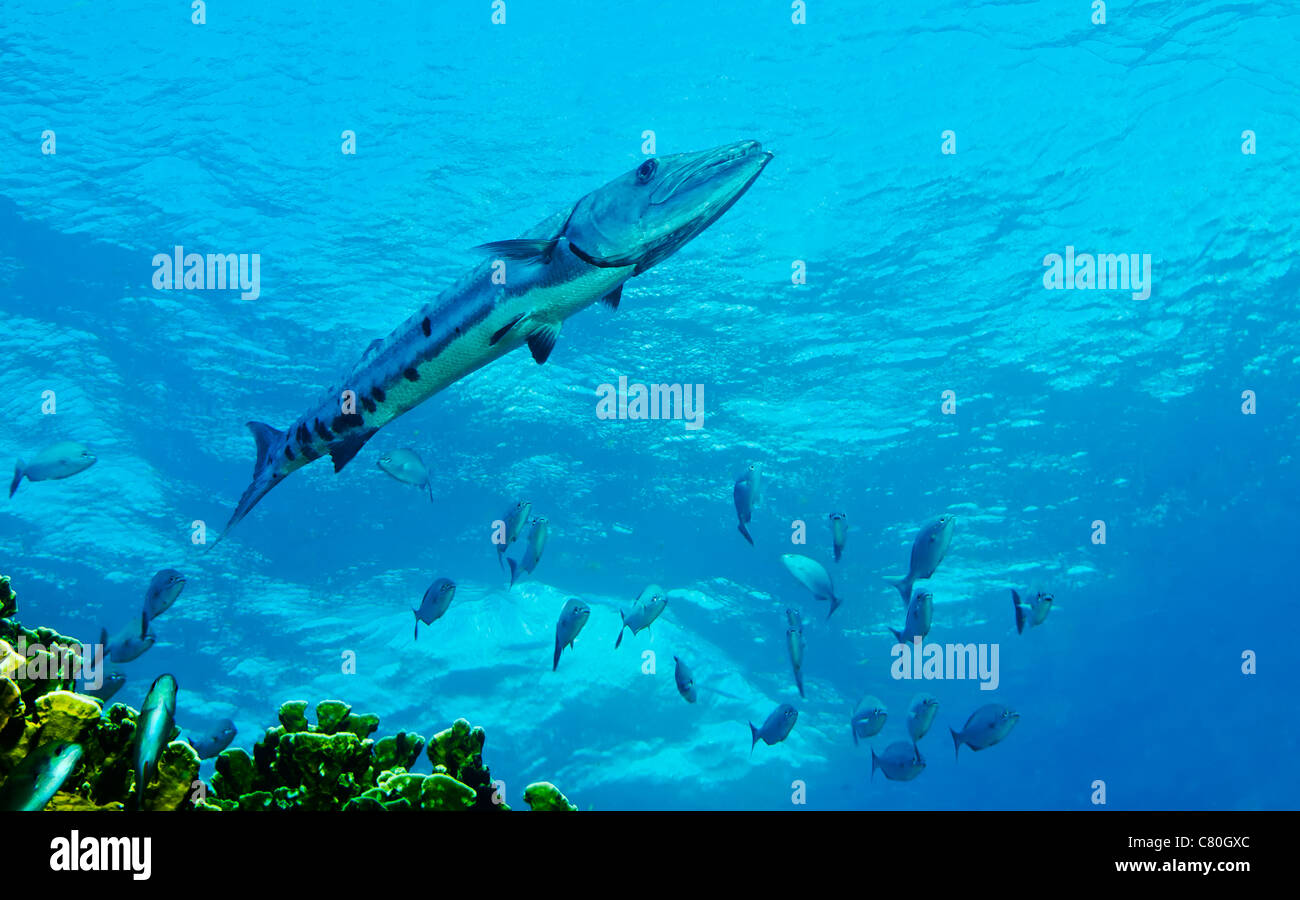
[542, 796]
[332, 765]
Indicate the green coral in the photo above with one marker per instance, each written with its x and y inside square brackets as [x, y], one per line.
[178, 768]
[8, 599]
[543, 796]
[332, 765]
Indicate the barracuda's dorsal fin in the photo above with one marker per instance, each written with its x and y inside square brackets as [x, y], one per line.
[542, 341]
[522, 249]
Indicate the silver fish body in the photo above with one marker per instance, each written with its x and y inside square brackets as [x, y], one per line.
[920, 716]
[920, 613]
[649, 606]
[405, 466]
[839, 531]
[153, 728]
[1032, 613]
[38, 777]
[163, 590]
[684, 679]
[795, 644]
[61, 460]
[813, 575]
[533, 552]
[572, 618]
[435, 603]
[514, 520]
[988, 725]
[928, 549]
[212, 743]
[776, 728]
[867, 718]
[901, 761]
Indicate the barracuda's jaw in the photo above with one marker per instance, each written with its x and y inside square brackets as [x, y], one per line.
[647, 214]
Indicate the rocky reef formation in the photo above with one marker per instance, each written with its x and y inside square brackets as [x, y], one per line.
[334, 764]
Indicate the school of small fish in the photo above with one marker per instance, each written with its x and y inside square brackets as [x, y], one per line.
[901, 760]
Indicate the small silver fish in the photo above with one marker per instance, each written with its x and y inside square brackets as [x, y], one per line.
[921, 715]
[113, 682]
[901, 761]
[928, 550]
[31, 783]
[916, 624]
[61, 460]
[533, 552]
[128, 644]
[813, 575]
[742, 495]
[867, 718]
[1034, 612]
[218, 739]
[572, 618]
[987, 726]
[406, 466]
[648, 607]
[685, 681]
[839, 531]
[163, 590]
[514, 519]
[776, 728]
[794, 642]
[153, 728]
[434, 605]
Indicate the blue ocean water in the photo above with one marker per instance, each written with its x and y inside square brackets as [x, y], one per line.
[924, 274]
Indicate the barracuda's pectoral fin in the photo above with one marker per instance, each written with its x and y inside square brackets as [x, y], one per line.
[541, 335]
[611, 299]
[343, 451]
[521, 249]
[542, 341]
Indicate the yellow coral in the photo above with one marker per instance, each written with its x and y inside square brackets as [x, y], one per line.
[10, 660]
[64, 715]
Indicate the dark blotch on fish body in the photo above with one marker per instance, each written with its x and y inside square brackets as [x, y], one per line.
[410, 374]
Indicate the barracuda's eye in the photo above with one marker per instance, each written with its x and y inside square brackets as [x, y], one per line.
[646, 171]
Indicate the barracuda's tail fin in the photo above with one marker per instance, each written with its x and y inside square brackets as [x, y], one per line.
[270, 445]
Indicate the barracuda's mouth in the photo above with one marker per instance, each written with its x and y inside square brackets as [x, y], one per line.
[651, 212]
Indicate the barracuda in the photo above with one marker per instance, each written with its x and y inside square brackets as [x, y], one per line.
[569, 261]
